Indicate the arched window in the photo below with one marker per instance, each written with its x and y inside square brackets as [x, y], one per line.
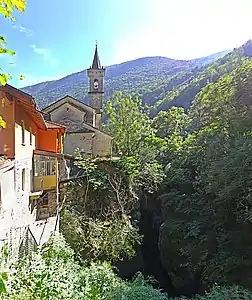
[96, 84]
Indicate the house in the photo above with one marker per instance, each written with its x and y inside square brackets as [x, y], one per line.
[82, 121]
[31, 153]
[7, 196]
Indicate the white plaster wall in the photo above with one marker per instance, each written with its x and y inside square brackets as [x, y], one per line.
[8, 197]
[12, 217]
[17, 214]
[23, 151]
[23, 160]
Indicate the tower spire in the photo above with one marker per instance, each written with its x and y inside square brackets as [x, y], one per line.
[96, 61]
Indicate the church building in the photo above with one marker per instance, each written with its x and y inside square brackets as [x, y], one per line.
[83, 122]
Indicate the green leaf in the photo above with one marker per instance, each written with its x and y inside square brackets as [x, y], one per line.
[4, 276]
[2, 286]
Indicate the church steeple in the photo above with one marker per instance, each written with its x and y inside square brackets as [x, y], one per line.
[96, 61]
[95, 94]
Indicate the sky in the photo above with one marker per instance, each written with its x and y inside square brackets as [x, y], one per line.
[55, 38]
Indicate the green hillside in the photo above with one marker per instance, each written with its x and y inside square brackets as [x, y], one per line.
[150, 77]
[187, 85]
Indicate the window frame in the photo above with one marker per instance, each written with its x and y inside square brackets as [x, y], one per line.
[23, 179]
[23, 132]
[30, 136]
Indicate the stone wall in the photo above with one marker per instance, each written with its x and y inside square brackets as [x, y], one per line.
[102, 145]
[47, 205]
[68, 112]
[81, 141]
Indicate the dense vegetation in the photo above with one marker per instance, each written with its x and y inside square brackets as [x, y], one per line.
[197, 168]
[192, 173]
[52, 273]
[206, 202]
[6, 10]
[150, 77]
[189, 171]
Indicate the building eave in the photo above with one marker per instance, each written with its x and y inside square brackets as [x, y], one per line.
[50, 107]
[47, 153]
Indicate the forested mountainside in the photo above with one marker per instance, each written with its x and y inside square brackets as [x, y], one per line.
[181, 89]
[150, 77]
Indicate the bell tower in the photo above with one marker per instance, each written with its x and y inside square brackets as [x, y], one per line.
[95, 95]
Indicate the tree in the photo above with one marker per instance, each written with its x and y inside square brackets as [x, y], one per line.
[2, 122]
[134, 136]
[128, 123]
[169, 122]
[6, 9]
[96, 220]
[206, 207]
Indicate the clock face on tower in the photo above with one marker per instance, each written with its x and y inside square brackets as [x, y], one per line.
[96, 84]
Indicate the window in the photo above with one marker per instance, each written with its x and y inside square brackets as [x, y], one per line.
[30, 136]
[23, 179]
[42, 168]
[31, 180]
[48, 168]
[84, 117]
[96, 84]
[23, 133]
[44, 200]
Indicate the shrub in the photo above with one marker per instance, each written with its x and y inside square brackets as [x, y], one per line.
[227, 293]
[52, 274]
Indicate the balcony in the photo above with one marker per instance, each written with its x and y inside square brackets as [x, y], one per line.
[45, 173]
[43, 183]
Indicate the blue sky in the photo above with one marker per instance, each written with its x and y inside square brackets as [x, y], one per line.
[54, 38]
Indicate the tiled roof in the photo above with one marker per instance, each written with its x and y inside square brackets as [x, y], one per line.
[52, 125]
[96, 61]
[4, 162]
[82, 130]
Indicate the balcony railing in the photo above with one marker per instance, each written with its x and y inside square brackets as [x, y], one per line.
[45, 173]
[48, 182]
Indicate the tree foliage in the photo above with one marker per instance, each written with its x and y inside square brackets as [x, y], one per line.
[7, 8]
[128, 124]
[97, 219]
[52, 273]
[206, 207]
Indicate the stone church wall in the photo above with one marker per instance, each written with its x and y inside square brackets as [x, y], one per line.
[102, 145]
[81, 141]
[67, 111]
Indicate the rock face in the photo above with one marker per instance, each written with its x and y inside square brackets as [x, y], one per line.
[161, 257]
[148, 259]
[184, 277]
[149, 227]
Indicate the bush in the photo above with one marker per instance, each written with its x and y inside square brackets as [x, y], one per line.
[52, 274]
[227, 293]
[139, 289]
